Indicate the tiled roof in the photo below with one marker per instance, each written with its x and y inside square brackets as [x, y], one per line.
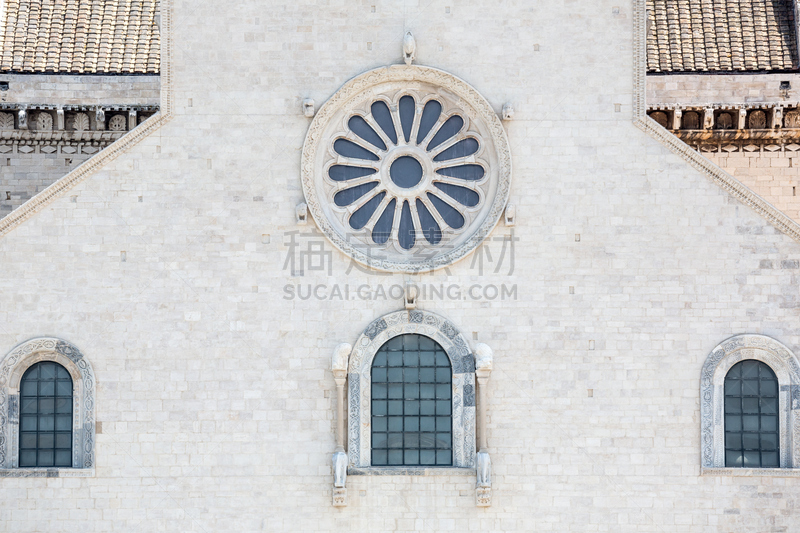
[80, 36]
[720, 35]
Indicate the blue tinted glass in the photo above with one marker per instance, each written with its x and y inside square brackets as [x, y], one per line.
[417, 429]
[452, 218]
[360, 127]
[448, 130]
[430, 114]
[382, 115]
[346, 148]
[407, 109]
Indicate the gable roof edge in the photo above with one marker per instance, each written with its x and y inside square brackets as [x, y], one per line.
[121, 146]
[640, 118]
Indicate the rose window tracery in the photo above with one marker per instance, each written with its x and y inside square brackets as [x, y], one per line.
[407, 172]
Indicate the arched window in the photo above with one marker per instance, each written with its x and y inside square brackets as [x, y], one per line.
[751, 416]
[749, 403]
[45, 417]
[411, 403]
[47, 411]
[421, 415]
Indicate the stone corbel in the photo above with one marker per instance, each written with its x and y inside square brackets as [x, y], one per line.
[131, 119]
[100, 119]
[410, 295]
[676, 118]
[339, 367]
[708, 118]
[777, 117]
[22, 116]
[483, 369]
[742, 118]
[60, 119]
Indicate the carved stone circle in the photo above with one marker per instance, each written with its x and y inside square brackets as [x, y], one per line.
[439, 239]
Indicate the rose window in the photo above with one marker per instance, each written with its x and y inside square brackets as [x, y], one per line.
[405, 174]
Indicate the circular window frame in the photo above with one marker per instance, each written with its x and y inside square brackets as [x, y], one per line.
[475, 108]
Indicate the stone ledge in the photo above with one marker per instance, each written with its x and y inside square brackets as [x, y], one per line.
[46, 472]
[750, 472]
[409, 471]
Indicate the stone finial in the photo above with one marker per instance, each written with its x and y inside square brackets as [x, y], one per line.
[484, 357]
[340, 357]
[510, 215]
[410, 296]
[308, 107]
[409, 48]
[508, 111]
[301, 213]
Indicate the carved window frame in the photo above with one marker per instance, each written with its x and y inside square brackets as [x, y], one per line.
[12, 368]
[462, 362]
[784, 364]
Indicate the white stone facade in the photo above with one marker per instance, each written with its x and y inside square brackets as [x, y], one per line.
[168, 262]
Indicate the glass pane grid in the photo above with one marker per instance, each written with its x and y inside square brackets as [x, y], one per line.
[45, 417]
[411, 404]
[751, 416]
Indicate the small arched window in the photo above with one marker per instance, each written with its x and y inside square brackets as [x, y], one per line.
[45, 417]
[412, 386]
[751, 416]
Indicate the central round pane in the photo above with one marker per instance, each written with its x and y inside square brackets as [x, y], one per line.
[406, 172]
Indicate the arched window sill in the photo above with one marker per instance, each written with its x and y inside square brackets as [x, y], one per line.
[409, 471]
[46, 472]
[751, 472]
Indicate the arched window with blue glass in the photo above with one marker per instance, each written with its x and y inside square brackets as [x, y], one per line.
[412, 423]
[752, 437]
[47, 388]
[45, 418]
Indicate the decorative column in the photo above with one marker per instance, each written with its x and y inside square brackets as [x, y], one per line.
[483, 369]
[60, 119]
[22, 117]
[339, 368]
[742, 118]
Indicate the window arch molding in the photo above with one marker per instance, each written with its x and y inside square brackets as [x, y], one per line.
[12, 369]
[462, 362]
[783, 363]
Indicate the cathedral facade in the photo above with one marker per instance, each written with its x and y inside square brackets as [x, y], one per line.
[415, 266]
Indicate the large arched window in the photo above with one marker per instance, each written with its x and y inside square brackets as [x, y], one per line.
[412, 403]
[45, 416]
[751, 416]
[411, 396]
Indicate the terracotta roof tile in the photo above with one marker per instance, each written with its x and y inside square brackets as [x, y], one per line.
[80, 36]
[721, 35]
